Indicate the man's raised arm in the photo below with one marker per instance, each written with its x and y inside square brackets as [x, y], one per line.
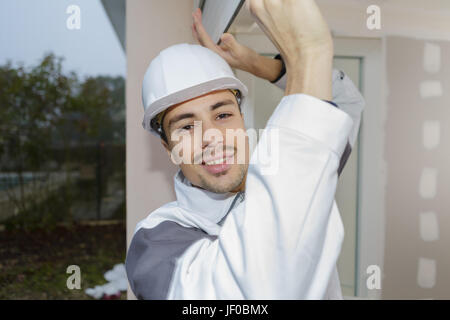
[284, 240]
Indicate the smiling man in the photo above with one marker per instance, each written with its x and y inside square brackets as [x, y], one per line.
[236, 231]
[214, 164]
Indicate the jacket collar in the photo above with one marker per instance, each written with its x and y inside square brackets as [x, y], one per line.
[210, 205]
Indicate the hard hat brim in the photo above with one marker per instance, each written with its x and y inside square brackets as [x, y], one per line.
[189, 93]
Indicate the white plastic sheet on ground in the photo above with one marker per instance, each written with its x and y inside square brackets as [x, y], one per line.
[117, 282]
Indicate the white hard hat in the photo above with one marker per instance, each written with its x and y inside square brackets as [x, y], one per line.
[182, 72]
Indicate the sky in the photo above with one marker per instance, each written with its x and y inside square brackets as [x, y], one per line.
[31, 28]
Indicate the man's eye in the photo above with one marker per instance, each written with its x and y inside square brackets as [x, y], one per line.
[224, 115]
[187, 127]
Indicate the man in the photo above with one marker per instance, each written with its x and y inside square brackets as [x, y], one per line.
[235, 231]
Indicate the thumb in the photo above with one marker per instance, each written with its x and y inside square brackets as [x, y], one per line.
[228, 40]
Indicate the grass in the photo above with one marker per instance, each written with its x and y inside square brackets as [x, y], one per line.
[33, 263]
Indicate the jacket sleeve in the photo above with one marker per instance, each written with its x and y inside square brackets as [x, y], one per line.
[347, 98]
[282, 242]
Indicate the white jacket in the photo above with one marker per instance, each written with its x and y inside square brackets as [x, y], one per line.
[280, 239]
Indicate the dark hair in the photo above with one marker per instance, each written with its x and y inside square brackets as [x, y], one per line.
[158, 125]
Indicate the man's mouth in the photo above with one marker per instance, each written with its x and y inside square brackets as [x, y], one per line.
[218, 165]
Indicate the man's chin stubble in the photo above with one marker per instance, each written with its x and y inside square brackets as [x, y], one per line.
[205, 184]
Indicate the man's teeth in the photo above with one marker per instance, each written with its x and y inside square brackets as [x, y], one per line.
[218, 161]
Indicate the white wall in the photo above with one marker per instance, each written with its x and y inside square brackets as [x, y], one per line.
[414, 18]
[152, 25]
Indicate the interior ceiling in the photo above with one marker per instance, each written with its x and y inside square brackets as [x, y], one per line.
[244, 21]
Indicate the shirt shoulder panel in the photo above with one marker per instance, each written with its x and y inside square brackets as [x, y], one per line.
[151, 257]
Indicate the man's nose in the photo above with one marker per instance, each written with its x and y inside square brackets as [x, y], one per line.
[211, 134]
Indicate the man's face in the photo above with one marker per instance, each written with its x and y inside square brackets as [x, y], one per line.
[208, 133]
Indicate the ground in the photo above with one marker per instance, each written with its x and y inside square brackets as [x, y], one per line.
[33, 264]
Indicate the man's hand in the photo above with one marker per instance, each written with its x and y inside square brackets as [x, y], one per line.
[298, 30]
[237, 55]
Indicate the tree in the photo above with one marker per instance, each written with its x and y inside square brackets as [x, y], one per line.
[43, 110]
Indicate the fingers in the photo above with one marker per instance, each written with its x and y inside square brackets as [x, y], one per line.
[194, 28]
[194, 34]
[201, 35]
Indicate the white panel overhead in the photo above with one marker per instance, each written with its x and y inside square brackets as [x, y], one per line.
[218, 15]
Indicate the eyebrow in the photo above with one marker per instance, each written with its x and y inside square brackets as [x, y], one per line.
[191, 115]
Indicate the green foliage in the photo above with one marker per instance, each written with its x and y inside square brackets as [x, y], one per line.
[33, 103]
[49, 122]
[44, 214]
